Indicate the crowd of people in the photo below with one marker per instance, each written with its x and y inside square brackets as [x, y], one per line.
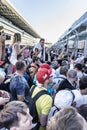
[41, 89]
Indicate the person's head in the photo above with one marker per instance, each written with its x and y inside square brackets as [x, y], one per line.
[35, 59]
[17, 38]
[85, 60]
[59, 62]
[43, 75]
[20, 66]
[72, 75]
[78, 67]
[62, 101]
[64, 70]
[67, 119]
[36, 50]
[42, 41]
[19, 57]
[83, 111]
[83, 82]
[15, 116]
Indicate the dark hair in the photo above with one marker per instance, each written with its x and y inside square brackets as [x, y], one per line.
[42, 39]
[85, 60]
[35, 58]
[78, 66]
[59, 61]
[19, 56]
[20, 65]
[83, 111]
[83, 82]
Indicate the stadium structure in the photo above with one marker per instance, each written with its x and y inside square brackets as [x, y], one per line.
[13, 22]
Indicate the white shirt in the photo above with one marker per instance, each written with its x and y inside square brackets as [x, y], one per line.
[13, 58]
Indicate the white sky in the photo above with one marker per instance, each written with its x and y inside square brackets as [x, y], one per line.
[50, 18]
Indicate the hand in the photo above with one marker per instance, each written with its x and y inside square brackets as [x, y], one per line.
[4, 94]
[3, 100]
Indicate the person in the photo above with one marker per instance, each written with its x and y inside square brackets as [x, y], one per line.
[73, 98]
[59, 64]
[67, 119]
[15, 116]
[2, 45]
[34, 66]
[83, 85]
[62, 76]
[4, 98]
[44, 103]
[16, 48]
[41, 49]
[78, 68]
[19, 87]
[83, 111]
[70, 82]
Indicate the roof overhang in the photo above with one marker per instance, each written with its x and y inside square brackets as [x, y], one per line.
[9, 12]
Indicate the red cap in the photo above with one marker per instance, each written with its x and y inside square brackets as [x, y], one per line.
[42, 75]
[47, 66]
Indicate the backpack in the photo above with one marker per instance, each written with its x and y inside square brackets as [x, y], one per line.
[52, 112]
[31, 102]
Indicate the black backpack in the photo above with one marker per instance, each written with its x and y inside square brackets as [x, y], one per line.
[31, 102]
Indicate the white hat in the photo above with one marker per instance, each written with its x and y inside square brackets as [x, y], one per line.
[63, 98]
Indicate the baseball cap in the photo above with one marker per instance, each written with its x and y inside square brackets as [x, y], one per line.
[42, 75]
[46, 66]
[64, 98]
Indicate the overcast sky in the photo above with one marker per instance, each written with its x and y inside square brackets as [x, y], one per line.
[50, 18]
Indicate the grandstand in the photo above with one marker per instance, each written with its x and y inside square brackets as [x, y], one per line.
[12, 21]
[76, 35]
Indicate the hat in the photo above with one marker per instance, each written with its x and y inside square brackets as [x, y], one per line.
[47, 66]
[42, 75]
[63, 98]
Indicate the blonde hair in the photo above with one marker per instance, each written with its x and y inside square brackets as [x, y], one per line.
[66, 119]
[17, 38]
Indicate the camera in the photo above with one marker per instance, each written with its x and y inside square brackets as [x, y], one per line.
[8, 37]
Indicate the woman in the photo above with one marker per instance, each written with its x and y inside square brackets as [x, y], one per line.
[2, 45]
[16, 48]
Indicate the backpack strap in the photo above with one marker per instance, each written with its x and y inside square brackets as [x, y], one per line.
[32, 89]
[40, 94]
[57, 109]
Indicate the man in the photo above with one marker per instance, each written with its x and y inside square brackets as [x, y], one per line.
[70, 82]
[67, 119]
[41, 49]
[15, 116]
[44, 102]
[18, 86]
[59, 65]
